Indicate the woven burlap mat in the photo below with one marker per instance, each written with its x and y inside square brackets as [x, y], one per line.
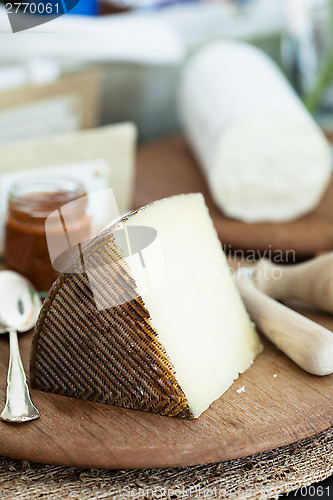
[263, 476]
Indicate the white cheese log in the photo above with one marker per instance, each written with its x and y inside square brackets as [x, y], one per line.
[263, 156]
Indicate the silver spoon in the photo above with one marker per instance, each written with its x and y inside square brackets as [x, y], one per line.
[19, 309]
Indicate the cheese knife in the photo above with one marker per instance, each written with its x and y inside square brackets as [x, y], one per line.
[307, 343]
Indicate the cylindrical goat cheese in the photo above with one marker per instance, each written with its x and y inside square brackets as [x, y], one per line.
[264, 157]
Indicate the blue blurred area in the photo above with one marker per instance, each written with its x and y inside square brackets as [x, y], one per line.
[83, 7]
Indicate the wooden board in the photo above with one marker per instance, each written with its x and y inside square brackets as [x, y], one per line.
[167, 167]
[272, 412]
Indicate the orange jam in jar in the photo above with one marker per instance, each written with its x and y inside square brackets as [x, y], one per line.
[31, 202]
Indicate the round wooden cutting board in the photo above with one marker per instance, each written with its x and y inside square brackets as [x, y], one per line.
[281, 404]
[167, 167]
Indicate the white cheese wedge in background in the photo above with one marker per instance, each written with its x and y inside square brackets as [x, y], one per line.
[264, 157]
[169, 337]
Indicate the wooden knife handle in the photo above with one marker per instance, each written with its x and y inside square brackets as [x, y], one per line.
[311, 282]
[308, 344]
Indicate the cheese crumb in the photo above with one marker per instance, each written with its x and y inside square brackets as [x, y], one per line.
[242, 389]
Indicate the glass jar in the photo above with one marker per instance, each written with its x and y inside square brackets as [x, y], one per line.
[30, 204]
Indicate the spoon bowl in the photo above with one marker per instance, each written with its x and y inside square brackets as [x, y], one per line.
[19, 309]
[19, 302]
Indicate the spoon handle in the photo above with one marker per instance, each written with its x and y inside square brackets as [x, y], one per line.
[19, 407]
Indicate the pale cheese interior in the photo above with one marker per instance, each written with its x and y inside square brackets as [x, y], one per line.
[194, 305]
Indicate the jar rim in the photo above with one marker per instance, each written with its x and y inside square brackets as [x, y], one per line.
[46, 184]
[39, 197]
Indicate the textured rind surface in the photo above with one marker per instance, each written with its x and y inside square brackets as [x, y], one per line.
[111, 356]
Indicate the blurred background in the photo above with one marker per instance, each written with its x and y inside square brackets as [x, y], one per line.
[88, 94]
[138, 47]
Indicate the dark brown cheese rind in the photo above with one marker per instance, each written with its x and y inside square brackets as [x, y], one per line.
[111, 356]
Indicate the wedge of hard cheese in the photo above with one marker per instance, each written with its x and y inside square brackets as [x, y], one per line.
[153, 320]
